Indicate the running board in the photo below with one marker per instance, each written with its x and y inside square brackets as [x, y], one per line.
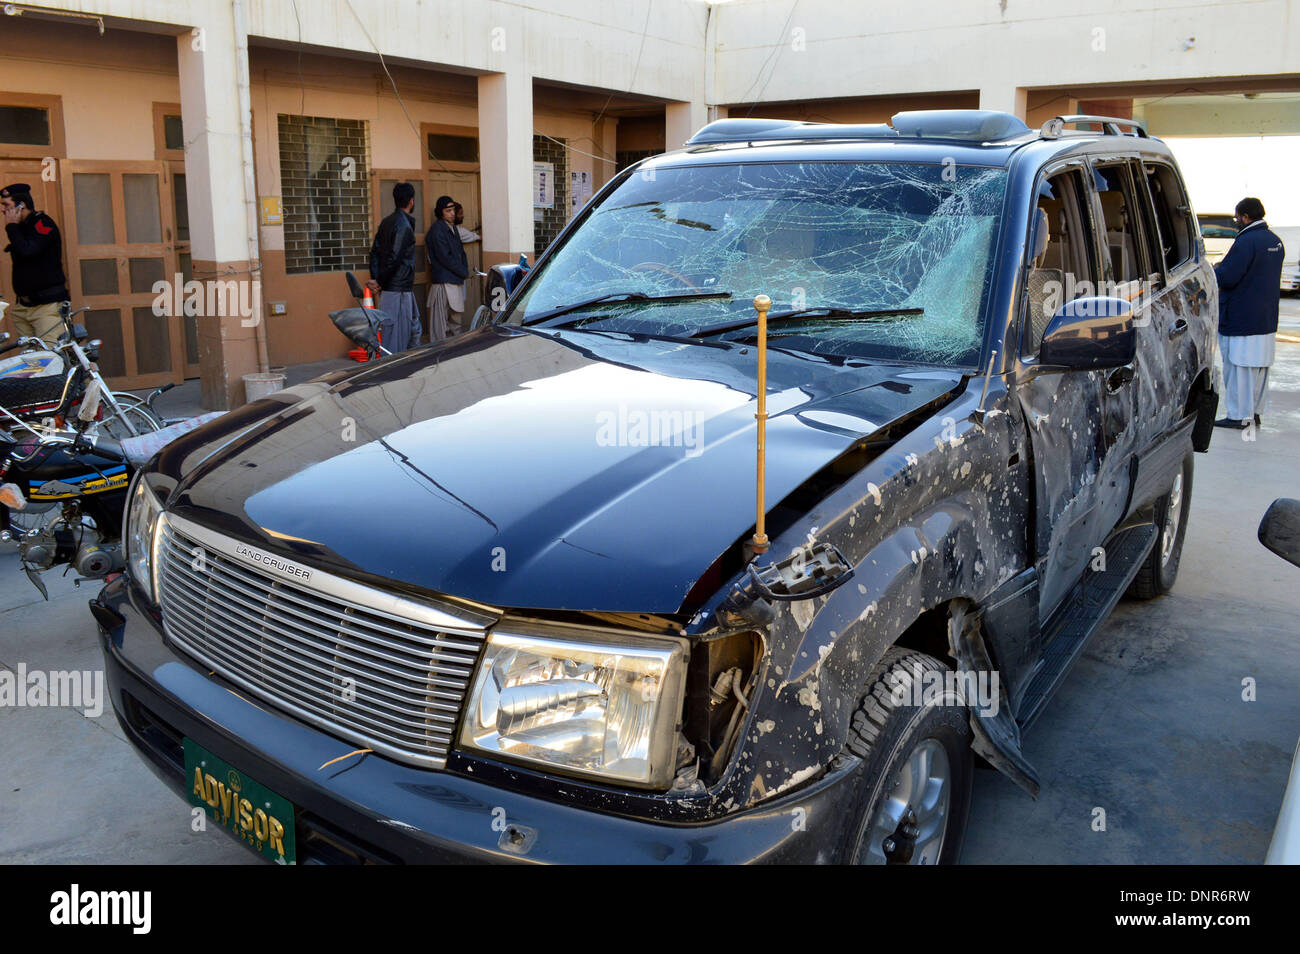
[1085, 610]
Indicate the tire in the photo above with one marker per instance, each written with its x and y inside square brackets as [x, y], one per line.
[902, 744]
[1160, 569]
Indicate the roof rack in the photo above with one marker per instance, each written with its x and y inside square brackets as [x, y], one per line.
[1054, 128]
[962, 125]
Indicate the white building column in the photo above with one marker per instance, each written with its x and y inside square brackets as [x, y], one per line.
[207, 62]
[1007, 99]
[505, 129]
[681, 122]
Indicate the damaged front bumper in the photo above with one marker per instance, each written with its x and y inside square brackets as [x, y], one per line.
[368, 809]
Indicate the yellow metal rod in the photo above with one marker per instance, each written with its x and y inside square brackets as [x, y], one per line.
[761, 305]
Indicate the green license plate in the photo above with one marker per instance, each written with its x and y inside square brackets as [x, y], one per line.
[250, 811]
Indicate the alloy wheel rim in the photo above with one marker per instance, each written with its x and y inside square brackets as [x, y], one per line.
[910, 825]
[1173, 514]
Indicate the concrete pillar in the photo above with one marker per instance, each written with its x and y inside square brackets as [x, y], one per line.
[681, 122]
[214, 187]
[505, 129]
[1007, 99]
[606, 136]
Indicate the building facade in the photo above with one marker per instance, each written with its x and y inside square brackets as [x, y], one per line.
[216, 164]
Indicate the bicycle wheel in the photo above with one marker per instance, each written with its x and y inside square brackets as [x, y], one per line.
[134, 410]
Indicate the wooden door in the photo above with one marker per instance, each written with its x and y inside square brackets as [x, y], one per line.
[464, 188]
[45, 195]
[382, 206]
[120, 237]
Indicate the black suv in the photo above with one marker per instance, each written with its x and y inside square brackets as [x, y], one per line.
[509, 597]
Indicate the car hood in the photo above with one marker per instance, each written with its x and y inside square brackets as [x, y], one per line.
[577, 471]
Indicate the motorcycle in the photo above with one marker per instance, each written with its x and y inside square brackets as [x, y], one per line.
[361, 324]
[47, 382]
[77, 481]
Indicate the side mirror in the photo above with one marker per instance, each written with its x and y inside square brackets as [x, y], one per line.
[502, 280]
[354, 286]
[1087, 334]
[1280, 529]
[482, 316]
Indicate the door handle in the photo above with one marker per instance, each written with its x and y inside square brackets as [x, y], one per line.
[1177, 328]
[1118, 378]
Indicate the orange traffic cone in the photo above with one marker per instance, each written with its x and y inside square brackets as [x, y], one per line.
[366, 300]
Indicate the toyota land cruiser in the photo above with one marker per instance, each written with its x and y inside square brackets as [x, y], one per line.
[514, 596]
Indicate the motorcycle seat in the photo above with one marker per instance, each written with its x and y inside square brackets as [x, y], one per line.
[46, 393]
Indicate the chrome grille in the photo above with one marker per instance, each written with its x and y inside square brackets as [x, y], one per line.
[372, 668]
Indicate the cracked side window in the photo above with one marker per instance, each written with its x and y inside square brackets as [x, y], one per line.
[860, 236]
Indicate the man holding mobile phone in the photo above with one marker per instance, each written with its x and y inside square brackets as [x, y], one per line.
[37, 252]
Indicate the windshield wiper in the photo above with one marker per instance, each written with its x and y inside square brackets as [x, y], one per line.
[801, 313]
[618, 297]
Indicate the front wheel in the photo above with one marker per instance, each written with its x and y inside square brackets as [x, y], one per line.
[1160, 569]
[915, 743]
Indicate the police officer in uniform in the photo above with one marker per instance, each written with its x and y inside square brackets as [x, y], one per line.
[37, 252]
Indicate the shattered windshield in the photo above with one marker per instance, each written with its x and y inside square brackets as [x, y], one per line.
[909, 244]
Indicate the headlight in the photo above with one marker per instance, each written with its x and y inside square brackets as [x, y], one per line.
[604, 706]
[142, 512]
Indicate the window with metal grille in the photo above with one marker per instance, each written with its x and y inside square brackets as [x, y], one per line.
[325, 193]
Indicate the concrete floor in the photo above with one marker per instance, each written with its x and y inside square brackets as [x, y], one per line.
[1150, 725]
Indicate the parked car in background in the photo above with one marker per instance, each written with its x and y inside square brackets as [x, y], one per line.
[508, 597]
[1219, 232]
[1290, 236]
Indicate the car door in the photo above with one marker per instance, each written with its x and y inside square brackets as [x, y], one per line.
[1132, 272]
[1182, 303]
[1063, 410]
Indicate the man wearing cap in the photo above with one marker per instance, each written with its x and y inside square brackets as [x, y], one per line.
[448, 268]
[1249, 278]
[37, 252]
[392, 272]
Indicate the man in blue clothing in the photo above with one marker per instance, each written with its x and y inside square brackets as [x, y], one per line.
[1249, 279]
[392, 272]
[448, 269]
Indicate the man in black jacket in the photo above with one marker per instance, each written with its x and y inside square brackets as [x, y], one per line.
[392, 272]
[37, 252]
[1250, 277]
[448, 269]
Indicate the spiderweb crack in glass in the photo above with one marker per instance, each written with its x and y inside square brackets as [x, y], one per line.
[857, 236]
